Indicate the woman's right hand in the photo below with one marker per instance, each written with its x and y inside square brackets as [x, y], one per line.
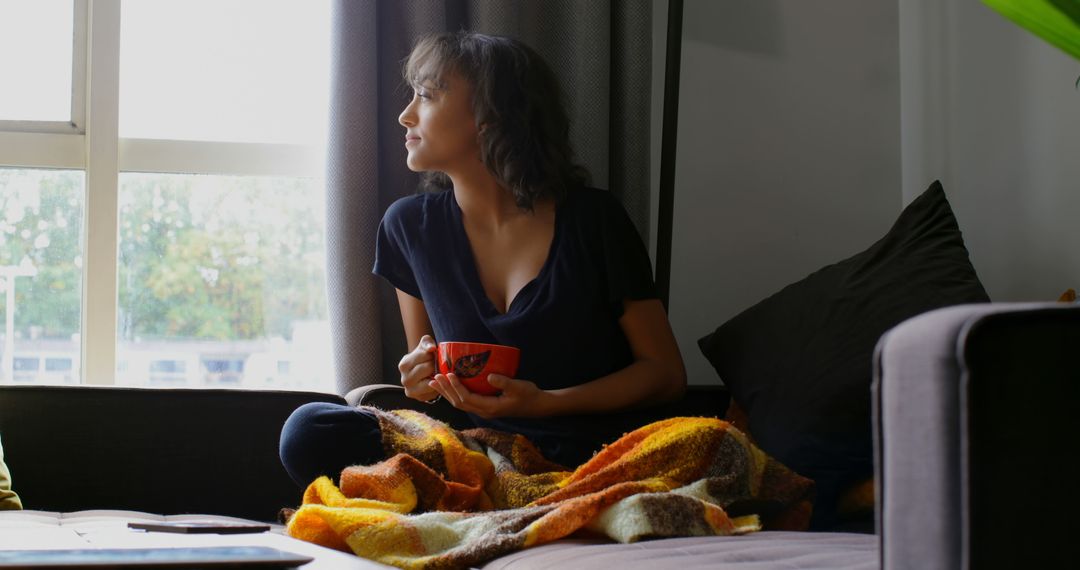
[417, 368]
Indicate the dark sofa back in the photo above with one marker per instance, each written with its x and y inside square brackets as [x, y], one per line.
[165, 451]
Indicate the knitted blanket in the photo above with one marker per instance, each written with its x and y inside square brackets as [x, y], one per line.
[454, 499]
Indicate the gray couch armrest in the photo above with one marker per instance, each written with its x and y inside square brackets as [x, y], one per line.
[970, 403]
[357, 396]
[392, 397]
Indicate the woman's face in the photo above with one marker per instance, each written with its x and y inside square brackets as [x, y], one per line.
[440, 129]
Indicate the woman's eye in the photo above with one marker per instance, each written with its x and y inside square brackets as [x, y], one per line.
[422, 93]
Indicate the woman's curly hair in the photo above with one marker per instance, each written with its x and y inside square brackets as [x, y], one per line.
[518, 105]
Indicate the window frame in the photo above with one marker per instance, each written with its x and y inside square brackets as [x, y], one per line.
[91, 142]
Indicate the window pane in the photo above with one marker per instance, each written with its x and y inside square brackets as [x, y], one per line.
[242, 71]
[221, 279]
[35, 59]
[41, 215]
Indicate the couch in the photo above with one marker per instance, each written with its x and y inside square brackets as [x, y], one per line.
[970, 442]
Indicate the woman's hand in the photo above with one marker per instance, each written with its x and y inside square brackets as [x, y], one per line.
[417, 368]
[519, 398]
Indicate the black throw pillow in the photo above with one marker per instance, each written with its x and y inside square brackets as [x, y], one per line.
[799, 362]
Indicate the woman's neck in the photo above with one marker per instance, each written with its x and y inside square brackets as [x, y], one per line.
[483, 201]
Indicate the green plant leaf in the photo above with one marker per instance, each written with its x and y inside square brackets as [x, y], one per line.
[1070, 8]
[1056, 21]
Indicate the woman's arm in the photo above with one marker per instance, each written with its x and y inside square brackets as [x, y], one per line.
[417, 366]
[414, 317]
[656, 376]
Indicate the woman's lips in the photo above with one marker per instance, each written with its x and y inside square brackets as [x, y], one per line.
[411, 140]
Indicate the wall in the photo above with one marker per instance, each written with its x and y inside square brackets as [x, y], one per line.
[993, 111]
[788, 150]
[806, 126]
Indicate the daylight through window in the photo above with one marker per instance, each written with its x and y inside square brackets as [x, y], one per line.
[202, 177]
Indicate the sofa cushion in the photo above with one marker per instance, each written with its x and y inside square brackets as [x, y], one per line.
[799, 362]
[166, 451]
[755, 551]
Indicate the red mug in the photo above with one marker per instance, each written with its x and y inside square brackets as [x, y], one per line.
[473, 361]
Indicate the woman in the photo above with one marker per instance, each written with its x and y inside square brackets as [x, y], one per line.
[511, 248]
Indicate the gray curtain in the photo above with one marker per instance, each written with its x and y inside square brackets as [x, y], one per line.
[601, 51]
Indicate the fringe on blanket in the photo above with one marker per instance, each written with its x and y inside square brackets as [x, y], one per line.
[455, 499]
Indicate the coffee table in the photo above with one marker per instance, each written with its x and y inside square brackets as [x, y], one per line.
[44, 530]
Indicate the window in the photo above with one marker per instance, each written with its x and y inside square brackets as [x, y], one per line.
[168, 366]
[41, 213]
[24, 364]
[58, 364]
[166, 370]
[180, 240]
[224, 370]
[221, 262]
[36, 88]
[257, 72]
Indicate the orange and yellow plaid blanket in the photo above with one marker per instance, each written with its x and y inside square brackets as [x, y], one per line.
[454, 499]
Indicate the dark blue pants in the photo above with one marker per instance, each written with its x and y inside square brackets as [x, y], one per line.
[320, 438]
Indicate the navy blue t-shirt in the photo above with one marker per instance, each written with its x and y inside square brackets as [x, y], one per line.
[565, 321]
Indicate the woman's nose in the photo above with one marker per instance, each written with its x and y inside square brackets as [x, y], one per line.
[407, 118]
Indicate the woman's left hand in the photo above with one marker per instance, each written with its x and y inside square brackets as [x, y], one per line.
[519, 398]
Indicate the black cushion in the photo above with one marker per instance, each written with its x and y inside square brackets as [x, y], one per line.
[799, 362]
